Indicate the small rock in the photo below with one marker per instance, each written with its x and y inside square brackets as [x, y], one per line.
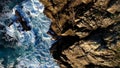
[113, 9]
[86, 1]
[69, 32]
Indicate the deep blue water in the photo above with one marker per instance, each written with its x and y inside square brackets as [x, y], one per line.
[25, 49]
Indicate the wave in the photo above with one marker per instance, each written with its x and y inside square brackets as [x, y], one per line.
[22, 49]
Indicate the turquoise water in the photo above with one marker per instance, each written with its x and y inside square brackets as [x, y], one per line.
[25, 49]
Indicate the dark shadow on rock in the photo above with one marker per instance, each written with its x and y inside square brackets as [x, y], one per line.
[62, 44]
[82, 8]
[100, 34]
[112, 2]
[97, 36]
[68, 25]
[98, 66]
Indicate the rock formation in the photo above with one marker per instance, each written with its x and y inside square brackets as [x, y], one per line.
[88, 31]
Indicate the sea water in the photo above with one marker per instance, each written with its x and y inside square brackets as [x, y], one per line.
[25, 49]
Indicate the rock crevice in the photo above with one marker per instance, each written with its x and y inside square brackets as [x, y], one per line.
[88, 31]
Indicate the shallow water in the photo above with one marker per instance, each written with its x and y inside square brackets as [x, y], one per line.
[22, 49]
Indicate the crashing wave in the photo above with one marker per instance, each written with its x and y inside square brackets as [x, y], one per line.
[29, 49]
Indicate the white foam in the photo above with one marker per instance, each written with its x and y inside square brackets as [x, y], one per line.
[36, 41]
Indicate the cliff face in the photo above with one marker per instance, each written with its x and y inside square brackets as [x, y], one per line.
[89, 32]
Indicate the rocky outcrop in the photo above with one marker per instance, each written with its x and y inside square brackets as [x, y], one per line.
[88, 31]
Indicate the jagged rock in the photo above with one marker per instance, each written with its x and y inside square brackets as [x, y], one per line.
[82, 34]
[69, 32]
[86, 1]
[89, 32]
[102, 4]
[106, 22]
[114, 8]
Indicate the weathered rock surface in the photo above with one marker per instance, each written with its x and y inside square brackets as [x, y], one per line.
[89, 32]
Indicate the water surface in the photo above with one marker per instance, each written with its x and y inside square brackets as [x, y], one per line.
[22, 49]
